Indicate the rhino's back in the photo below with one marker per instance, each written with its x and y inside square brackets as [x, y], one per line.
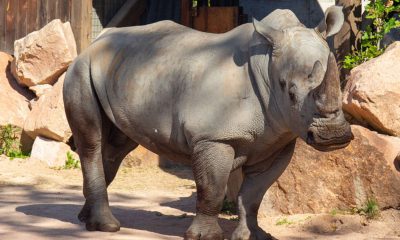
[156, 80]
[164, 38]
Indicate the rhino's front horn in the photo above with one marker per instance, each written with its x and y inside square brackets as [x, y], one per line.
[328, 94]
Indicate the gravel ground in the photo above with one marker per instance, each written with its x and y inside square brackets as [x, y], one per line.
[37, 202]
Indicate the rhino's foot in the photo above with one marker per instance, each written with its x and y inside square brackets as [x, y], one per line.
[84, 214]
[243, 233]
[201, 236]
[204, 228]
[99, 219]
[104, 224]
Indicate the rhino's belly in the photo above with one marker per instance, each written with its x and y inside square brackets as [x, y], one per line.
[158, 142]
[263, 153]
[151, 124]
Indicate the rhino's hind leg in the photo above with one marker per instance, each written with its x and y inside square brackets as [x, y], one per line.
[115, 148]
[211, 163]
[89, 124]
[252, 192]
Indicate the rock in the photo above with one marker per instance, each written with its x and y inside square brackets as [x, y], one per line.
[42, 56]
[47, 118]
[53, 153]
[141, 157]
[372, 93]
[319, 182]
[14, 99]
[40, 90]
[69, 36]
[32, 103]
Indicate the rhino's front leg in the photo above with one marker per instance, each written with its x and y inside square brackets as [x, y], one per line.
[252, 192]
[212, 163]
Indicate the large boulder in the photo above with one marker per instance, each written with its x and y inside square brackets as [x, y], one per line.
[42, 56]
[372, 93]
[141, 157]
[47, 118]
[40, 90]
[318, 182]
[14, 99]
[53, 153]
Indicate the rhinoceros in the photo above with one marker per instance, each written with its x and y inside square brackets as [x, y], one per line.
[215, 101]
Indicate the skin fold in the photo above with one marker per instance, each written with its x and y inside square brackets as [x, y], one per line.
[215, 101]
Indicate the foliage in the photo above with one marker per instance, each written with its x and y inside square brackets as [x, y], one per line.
[381, 14]
[71, 162]
[336, 211]
[229, 208]
[9, 142]
[284, 221]
[370, 209]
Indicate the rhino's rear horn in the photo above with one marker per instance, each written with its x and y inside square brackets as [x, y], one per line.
[328, 94]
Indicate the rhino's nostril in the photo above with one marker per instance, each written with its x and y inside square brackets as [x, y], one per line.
[351, 136]
[310, 137]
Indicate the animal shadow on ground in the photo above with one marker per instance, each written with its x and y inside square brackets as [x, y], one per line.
[152, 221]
[131, 217]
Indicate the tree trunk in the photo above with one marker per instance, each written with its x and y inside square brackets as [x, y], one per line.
[349, 36]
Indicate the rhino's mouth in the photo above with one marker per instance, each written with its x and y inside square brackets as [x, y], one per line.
[329, 137]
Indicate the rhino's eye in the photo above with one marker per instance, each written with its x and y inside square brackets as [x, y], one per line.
[282, 83]
[292, 93]
[292, 96]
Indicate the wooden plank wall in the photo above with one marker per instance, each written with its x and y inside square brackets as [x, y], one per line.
[216, 19]
[21, 17]
[81, 22]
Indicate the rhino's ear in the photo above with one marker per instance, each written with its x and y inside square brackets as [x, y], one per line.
[272, 35]
[332, 22]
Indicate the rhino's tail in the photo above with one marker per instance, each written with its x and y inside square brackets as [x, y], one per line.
[80, 99]
[98, 84]
[81, 74]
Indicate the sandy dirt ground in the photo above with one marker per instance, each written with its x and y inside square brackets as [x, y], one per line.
[37, 202]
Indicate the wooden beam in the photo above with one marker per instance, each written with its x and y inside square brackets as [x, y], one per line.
[64, 10]
[185, 13]
[21, 21]
[10, 26]
[81, 22]
[42, 13]
[3, 5]
[129, 14]
[216, 19]
[32, 16]
[51, 10]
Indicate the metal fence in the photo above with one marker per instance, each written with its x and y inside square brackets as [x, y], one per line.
[102, 12]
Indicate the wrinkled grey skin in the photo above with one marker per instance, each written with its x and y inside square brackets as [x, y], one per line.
[215, 101]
